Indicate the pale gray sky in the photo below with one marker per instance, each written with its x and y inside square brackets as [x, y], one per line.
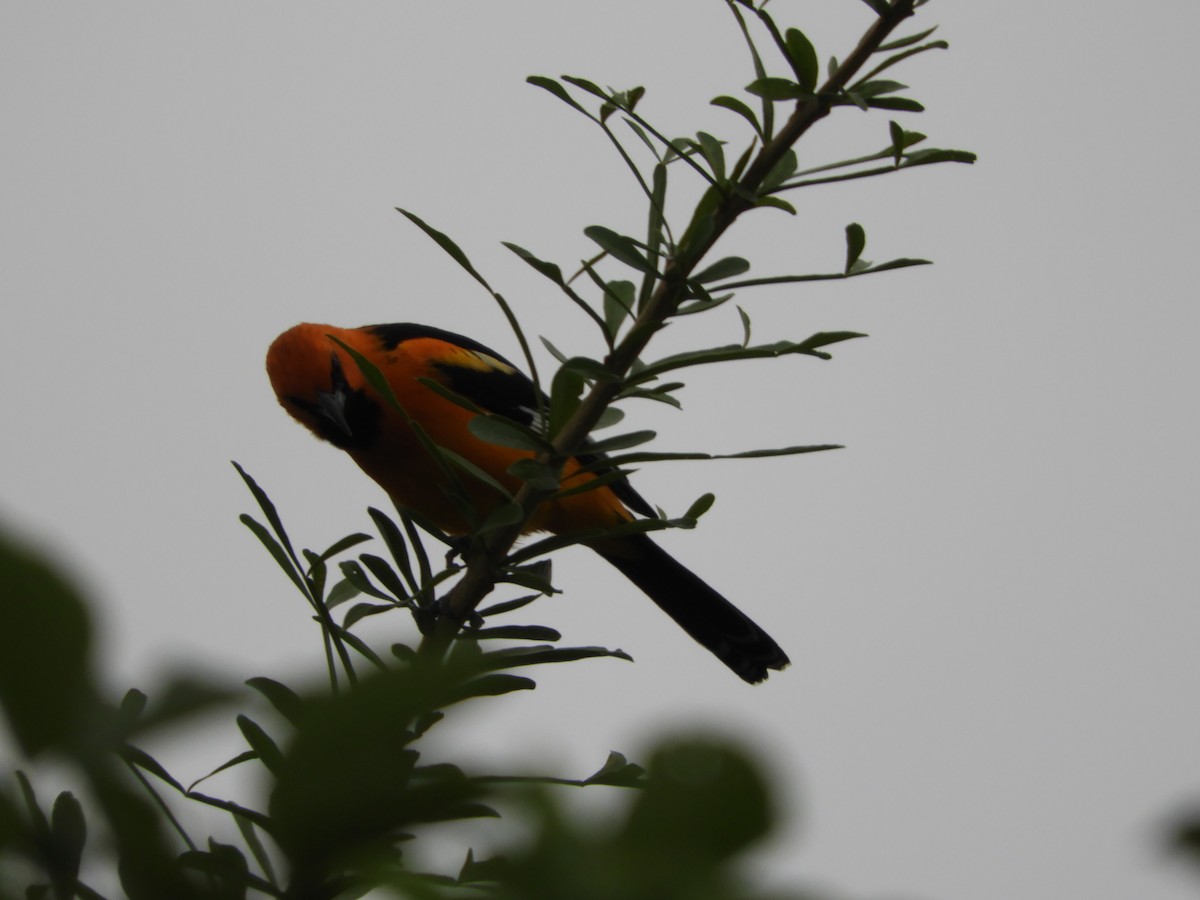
[989, 597]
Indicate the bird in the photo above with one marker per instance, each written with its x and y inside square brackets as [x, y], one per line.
[318, 382]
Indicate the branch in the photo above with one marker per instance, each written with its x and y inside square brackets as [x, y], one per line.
[487, 554]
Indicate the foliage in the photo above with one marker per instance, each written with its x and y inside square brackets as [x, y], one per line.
[350, 785]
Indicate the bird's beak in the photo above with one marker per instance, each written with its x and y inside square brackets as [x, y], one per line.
[332, 404]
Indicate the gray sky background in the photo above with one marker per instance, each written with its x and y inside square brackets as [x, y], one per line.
[989, 596]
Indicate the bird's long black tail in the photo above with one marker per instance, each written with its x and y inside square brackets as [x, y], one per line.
[725, 630]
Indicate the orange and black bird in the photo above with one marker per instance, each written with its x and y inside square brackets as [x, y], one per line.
[320, 385]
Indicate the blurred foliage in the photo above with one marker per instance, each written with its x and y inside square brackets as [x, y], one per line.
[349, 785]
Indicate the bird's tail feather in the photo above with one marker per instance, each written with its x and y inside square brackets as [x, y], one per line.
[727, 632]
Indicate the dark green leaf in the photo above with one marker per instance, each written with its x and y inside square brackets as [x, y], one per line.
[287, 702]
[69, 833]
[619, 247]
[250, 836]
[745, 317]
[701, 505]
[340, 593]
[565, 393]
[133, 704]
[358, 578]
[618, 305]
[505, 514]
[636, 458]
[261, 743]
[362, 610]
[45, 649]
[446, 244]
[905, 41]
[728, 267]
[539, 476]
[504, 606]
[513, 657]
[737, 106]
[933, 155]
[621, 441]
[856, 240]
[713, 154]
[617, 771]
[703, 801]
[516, 633]
[550, 270]
[384, 574]
[777, 89]
[871, 89]
[504, 432]
[589, 86]
[899, 103]
[549, 84]
[490, 686]
[777, 202]
[897, 134]
[350, 540]
[780, 173]
[803, 58]
[269, 510]
[396, 544]
[138, 757]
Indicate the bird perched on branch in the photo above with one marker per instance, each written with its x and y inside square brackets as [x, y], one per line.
[322, 387]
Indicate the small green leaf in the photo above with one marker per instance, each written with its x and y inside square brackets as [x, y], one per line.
[549, 84]
[897, 134]
[803, 58]
[745, 317]
[713, 154]
[856, 240]
[871, 89]
[360, 611]
[384, 574]
[729, 267]
[340, 593]
[772, 88]
[618, 305]
[737, 106]
[617, 771]
[444, 241]
[549, 269]
[505, 514]
[702, 505]
[905, 41]
[68, 831]
[780, 172]
[777, 203]
[903, 104]
[589, 86]
[619, 247]
[515, 632]
[350, 540]
[621, 441]
[356, 576]
[287, 702]
[505, 432]
[490, 686]
[535, 474]
[933, 155]
[261, 743]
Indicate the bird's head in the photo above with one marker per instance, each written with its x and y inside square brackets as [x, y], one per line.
[318, 383]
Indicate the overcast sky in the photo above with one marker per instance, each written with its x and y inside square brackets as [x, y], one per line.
[989, 597]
